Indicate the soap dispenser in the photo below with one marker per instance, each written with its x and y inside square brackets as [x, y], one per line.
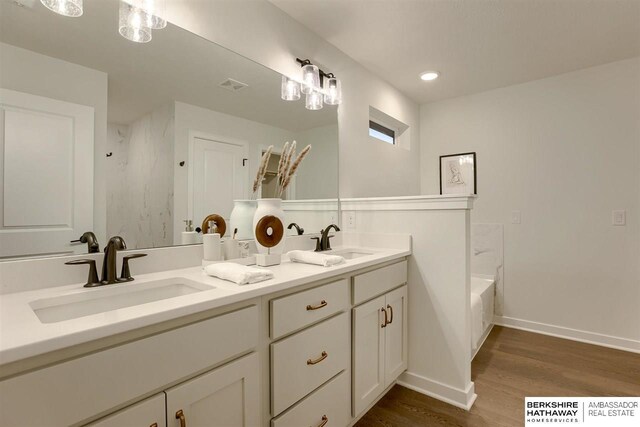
[211, 242]
[189, 236]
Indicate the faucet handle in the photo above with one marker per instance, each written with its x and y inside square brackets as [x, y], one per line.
[328, 248]
[318, 245]
[92, 279]
[125, 274]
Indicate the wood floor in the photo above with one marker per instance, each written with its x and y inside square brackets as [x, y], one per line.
[513, 364]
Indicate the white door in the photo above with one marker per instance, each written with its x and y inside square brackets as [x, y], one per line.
[46, 180]
[395, 342]
[219, 175]
[148, 413]
[368, 353]
[228, 396]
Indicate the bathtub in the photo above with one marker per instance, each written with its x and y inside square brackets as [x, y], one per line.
[482, 303]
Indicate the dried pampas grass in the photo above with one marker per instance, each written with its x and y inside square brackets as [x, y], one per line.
[293, 168]
[262, 170]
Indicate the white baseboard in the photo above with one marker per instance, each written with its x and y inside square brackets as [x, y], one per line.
[457, 397]
[571, 334]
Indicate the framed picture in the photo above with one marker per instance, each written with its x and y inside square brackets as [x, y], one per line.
[458, 174]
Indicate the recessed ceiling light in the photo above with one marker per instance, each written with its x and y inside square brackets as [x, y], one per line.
[429, 75]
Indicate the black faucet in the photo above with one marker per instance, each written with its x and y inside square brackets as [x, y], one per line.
[90, 239]
[298, 229]
[109, 274]
[325, 244]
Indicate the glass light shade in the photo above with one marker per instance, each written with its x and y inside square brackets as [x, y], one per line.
[313, 101]
[72, 8]
[290, 90]
[333, 93]
[310, 78]
[132, 24]
[154, 12]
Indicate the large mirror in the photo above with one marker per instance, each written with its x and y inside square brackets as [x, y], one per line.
[101, 134]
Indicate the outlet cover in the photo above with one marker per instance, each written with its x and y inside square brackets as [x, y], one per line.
[351, 220]
[619, 217]
[516, 217]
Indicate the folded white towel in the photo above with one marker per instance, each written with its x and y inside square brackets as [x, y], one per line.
[240, 274]
[307, 257]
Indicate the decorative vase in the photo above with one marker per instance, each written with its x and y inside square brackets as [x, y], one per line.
[268, 207]
[242, 218]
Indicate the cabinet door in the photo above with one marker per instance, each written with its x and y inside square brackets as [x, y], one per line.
[227, 396]
[395, 343]
[149, 412]
[368, 353]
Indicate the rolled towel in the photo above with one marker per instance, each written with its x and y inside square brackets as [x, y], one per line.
[307, 257]
[239, 274]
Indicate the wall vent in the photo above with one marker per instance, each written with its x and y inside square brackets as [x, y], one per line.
[233, 85]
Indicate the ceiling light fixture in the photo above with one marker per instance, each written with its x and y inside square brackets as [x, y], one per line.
[71, 8]
[429, 75]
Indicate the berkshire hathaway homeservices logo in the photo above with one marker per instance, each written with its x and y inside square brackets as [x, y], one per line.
[582, 411]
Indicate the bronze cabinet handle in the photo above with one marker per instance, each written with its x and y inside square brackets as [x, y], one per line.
[154, 425]
[180, 416]
[324, 422]
[384, 325]
[318, 360]
[391, 310]
[310, 307]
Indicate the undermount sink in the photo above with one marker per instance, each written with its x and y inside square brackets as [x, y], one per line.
[112, 297]
[351, 254]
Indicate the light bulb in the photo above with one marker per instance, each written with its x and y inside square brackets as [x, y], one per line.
[290, 90]
[71, 8]
[429, 75]
[133, 23]
[333, 94]
[310, 78]
[313, 101]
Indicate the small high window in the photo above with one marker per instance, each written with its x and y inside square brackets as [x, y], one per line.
[382, 133]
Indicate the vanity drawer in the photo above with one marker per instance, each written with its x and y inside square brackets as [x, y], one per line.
[331, 402]
[306, 360]
[377, 282]
[296, 311]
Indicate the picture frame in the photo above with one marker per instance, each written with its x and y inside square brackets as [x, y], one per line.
[458, 174]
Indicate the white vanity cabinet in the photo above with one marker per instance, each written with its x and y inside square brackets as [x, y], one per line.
[379, 334]
[227, 396]
[149, 412]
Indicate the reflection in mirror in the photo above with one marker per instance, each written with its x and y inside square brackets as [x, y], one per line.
[99, 134]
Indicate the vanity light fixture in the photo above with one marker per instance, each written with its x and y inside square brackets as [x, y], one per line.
[429, 75]
[313, 86]
[313, 100]
[133, 23]
[154, 12]
[290, 89]
[71, 8]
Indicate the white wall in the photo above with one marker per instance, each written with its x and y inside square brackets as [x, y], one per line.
[318, 177]
[262, 32]
[565, 151]
[140, 185]
[30, 72]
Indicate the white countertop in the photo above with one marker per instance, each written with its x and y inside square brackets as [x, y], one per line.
[23, 335]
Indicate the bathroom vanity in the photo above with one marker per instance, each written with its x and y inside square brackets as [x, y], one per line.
[313, 346]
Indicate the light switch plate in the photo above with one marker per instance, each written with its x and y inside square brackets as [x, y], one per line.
[619, 217]
[516, 217]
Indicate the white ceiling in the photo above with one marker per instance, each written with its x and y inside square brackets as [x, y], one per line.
[476, 45]
[175, 66]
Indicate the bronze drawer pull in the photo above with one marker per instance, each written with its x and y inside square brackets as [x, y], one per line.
[324, 422]
[391, 310]
[310, 307]
[180, 416]
[384, 325]
[318, 360]
[154, 425]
